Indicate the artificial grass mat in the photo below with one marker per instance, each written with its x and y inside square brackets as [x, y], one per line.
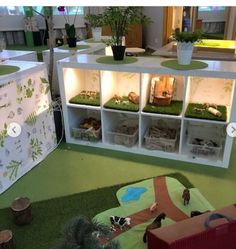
[8, 69]
[78, 99]
[190, 113]
[127, 106]
[175, 108]
[50, 216]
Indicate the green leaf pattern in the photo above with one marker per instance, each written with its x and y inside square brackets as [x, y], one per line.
[3, 135]
[36, 149]
[12, 169]
[31, 119]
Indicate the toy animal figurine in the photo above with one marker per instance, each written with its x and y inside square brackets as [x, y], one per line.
[119, 221]
[207, 105]
[196, 213]
[186, 196]
[153, 207]
[155, 224]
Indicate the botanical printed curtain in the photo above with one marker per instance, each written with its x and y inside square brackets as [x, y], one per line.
[27, 102]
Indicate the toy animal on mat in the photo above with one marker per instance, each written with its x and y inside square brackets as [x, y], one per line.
[155, 224]
[196, 213]
[186, 196]
[121, 222]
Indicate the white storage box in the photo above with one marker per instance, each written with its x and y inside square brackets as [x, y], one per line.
[90, 134]
[204, 143]
[160, 143]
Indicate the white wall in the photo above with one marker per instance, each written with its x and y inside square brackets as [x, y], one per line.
[153, 32]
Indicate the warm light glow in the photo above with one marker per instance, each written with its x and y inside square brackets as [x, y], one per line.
[71, 82]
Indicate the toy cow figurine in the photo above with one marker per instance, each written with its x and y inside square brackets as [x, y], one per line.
[186, 196]
[154, 225]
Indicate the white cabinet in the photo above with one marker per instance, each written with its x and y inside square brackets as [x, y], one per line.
[191, 138]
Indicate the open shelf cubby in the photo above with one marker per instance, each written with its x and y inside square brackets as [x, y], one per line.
[152, 129]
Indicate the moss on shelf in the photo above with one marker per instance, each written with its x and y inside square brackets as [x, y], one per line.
[190, 113]
[174, 108]
[86, 99]
[124, 105]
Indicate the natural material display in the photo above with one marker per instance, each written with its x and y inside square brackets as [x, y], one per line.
[204, 111]
[125, 134]
[160, 138]
[175, 108]
[89, 130]
[86, 98]
[123, 102]
[161, 90]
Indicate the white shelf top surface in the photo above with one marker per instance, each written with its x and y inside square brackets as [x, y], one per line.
[25, 66]
[223, 69]
[9, 54]
[92, 47]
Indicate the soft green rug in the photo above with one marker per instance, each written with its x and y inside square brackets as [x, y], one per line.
[50, 216]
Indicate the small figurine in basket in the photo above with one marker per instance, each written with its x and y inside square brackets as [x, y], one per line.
[186, 196]
[161, 90]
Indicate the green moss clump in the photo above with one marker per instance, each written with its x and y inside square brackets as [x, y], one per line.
[129, 106]
[85, 100]
[190, 113]
[174, 108]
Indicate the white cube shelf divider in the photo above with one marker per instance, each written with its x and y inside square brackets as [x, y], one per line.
[214, 84]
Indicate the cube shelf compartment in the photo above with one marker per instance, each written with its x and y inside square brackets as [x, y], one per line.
[173, 140]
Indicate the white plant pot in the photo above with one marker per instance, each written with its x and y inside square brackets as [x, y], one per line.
[184, 52]
[97, 33]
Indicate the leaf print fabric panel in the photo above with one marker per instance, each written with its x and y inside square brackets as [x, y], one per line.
[26, 101]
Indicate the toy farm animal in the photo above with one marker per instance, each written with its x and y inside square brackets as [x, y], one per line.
[196, 213]
[153, 207]
[186, 196]
[155, 224]
[119, 221]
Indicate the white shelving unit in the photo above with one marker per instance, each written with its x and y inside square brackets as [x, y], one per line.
[215, 84]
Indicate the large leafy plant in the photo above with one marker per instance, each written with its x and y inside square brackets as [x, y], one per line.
[120, 18]
[95, 20]
[187, 36]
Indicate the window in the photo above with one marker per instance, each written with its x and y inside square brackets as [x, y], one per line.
[12, 10]
[70, 10]
[211, 8]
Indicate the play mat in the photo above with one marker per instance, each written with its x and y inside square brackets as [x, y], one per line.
[136, 199]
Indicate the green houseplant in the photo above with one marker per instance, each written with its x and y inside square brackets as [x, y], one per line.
[70, 28]
[96, 23]
[119, 19]
[185, 42]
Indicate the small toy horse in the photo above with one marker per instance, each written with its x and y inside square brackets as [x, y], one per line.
[155, 224]
[186, 196]
[196, 213]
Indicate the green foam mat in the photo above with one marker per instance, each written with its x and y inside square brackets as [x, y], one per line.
[173, 64]
[78, 99]
[110, 60]
[78, 47]
[125, 106]
[190, 113]
[8, 69]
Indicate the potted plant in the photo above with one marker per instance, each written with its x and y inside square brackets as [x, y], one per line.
[185, 42]
[119, 19]
[70, 28]
[96, 23]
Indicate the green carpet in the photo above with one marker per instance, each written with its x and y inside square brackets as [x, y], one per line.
[110, 60]
[173, 64]
[79, 99]
[175, 108]
[50, 216]
[190, 113]
[7, 69]
[129, 106]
